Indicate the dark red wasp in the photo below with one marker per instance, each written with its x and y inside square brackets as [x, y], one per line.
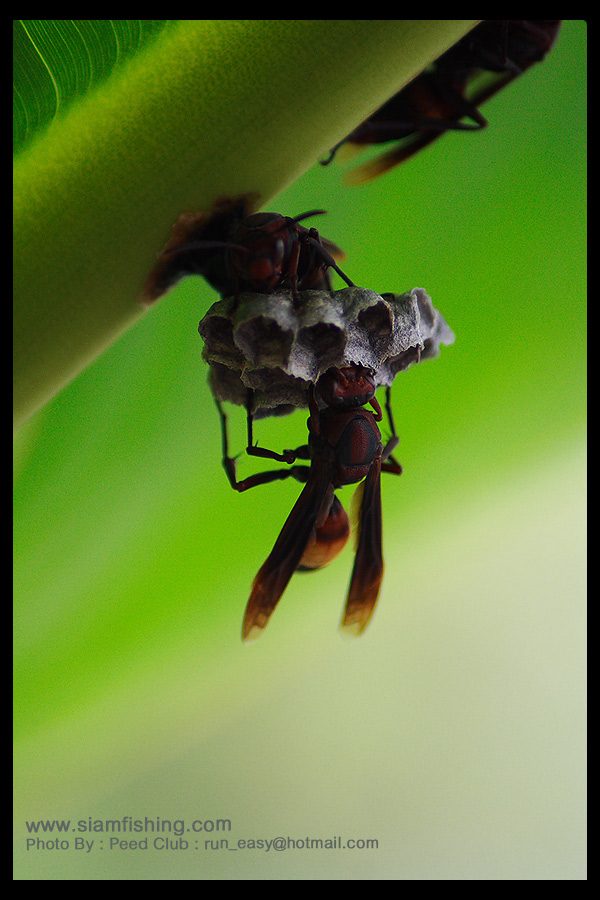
[344, 447]
[438, 100]
[237, 252]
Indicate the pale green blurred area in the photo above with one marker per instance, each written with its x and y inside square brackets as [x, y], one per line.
[453, 730]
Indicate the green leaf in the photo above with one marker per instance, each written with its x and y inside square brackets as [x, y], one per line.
[56, 62]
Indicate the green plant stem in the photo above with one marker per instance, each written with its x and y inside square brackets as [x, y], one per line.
[211, 109]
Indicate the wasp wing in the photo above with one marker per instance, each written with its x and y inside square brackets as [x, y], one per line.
[333, 249]
[386, 161]
[368, 564]
[275, 573]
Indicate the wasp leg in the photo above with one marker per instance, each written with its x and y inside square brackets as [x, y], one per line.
[388, 463]
[288, 456]
[300, 473]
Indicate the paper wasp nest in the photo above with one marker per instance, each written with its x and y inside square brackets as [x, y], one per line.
[278, 350]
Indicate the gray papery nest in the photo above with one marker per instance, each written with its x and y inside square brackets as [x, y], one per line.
[279, 350]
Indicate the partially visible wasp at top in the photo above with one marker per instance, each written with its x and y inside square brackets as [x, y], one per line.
[451, 91]
[236, 251]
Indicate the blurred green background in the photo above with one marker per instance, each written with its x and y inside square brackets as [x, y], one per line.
[452, 732]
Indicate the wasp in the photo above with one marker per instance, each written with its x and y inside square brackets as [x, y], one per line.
[344, 447]
[236, 251]
[451, 91]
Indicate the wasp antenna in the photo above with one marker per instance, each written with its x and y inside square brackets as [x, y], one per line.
[309, 214]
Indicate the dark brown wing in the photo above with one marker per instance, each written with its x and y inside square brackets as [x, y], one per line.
[386, 161]
[368, 565]
[333, 249]
[282, 562]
